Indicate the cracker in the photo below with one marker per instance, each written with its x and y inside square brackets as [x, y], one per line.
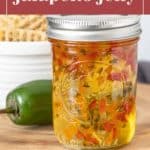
[31, 22]
[23, 28]
[22, 35]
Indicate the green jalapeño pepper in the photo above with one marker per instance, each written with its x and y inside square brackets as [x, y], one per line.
[30, 103]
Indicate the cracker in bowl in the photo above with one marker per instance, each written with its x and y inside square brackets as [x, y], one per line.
[23, 28]
[22, 35]
[31, 22]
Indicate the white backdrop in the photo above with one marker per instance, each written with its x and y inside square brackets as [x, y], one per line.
[144, 44]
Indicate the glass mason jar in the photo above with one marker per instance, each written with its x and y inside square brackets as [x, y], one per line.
[94, 85]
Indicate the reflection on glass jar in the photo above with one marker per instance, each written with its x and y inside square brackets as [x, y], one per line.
[94, 92]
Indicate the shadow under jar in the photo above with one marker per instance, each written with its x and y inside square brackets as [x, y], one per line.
[94, 85]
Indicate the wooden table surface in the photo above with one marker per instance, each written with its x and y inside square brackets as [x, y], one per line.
[14, 137]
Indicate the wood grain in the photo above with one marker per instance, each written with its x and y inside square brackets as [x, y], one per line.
[14, 137]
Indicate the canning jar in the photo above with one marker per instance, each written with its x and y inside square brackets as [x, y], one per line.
[94, 84]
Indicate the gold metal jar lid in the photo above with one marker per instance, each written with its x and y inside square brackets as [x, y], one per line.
[93, 27]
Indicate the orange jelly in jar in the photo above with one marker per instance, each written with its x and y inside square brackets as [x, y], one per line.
[94, 85]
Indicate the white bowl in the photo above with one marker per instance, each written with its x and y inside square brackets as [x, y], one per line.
[25, 68]
[24, 60]
[3, 97]
[21, 62]
[15, 77]
[25, 48]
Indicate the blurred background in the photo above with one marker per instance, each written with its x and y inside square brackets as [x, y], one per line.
[144, 45]
[144, 51]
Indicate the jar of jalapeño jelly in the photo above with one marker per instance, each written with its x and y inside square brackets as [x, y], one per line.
[94, 85]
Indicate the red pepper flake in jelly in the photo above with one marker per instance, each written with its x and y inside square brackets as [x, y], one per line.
[118, 76]
[102, 105]
[93, 104]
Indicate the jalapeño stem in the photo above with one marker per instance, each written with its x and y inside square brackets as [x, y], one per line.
[7, 111]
